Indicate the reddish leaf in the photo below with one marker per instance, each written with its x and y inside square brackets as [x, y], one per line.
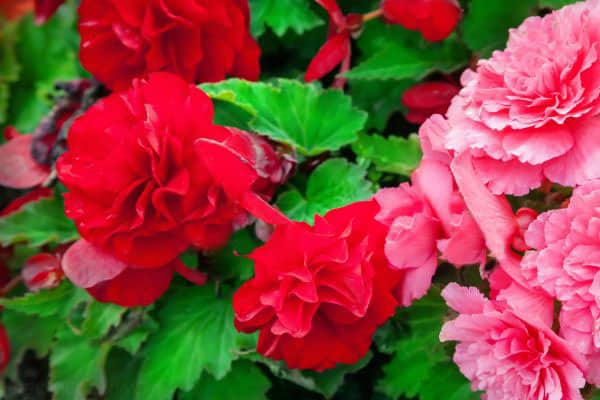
[332, 54]
[18, 169]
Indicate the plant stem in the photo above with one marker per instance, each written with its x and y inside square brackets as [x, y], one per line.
[372, 15]
[14, 282]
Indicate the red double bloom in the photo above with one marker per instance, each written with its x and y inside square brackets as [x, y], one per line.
[199, 40]
[319, 293]
[149, 175]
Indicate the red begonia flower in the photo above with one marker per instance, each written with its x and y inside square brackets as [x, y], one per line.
[110, 280]
[18, 169]
[44, 9]
[429, 98]
[200, 40]
[143, 186]
[319, 293]
[435, 19]
[42, 271]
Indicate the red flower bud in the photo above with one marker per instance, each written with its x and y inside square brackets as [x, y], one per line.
[435, 19]
[42, 271]
[425, 99]
[4, 349]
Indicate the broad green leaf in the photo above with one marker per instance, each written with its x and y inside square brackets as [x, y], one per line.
[133, 340]
[196, 336]
[121, 374]
[398, 61]
[333, 184]
[421, 367]
[9, 66]
[379, 98]
[486, 25]
[310, 119]
[28, 332]
[556, 3]
[56, 302]
[393, 154]
[244, 381]
[46, 53]
[38, 223]
[100, 317]
[229, 114]
[282, 15]
[230, 262]
[325, 383]
[76, 366]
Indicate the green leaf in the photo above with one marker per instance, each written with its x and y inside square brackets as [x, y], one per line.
[556, 4]
[229, 114]
[121, 374]
[244, 381]
[310, 119]
[398, 61]
[484, 37]
[46, 53]
[38, 223]
[333, 184]
[9, 67]
[134, 339]
[76, 365]
[230, 261]
[28, 332]
[325, 383]
[379, 98]
[421, 367]
[393, 154]
[282, 15]
[100, 317]
[196, 336]
[50, 302]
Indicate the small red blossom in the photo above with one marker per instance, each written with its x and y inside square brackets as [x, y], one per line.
[44, 9]
[426, 99]
[338, 47]
[42, 271]
[149, 175]
[435, 19]
[199, 40]
[319, 293]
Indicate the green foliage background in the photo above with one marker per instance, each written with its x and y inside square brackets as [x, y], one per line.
[185, 346]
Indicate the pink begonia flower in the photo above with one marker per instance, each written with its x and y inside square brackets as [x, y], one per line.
[506, 354]
[565, 262]
[532, 111]
[501, 227]
[426, 218]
